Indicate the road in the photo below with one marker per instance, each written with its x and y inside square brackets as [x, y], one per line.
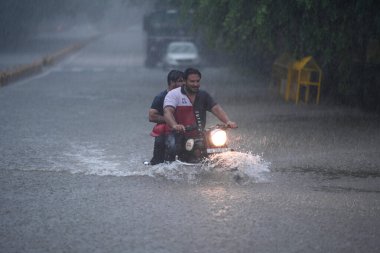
[73, 140]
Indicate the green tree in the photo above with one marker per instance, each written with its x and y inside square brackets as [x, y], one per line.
[336, 32]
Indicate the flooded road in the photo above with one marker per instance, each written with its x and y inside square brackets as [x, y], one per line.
[73, 140]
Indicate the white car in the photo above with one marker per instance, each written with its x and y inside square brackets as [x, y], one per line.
[181, 54]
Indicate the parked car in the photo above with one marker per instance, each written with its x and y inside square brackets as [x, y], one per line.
[181, 54]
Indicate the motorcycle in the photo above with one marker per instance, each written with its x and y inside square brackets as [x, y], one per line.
[194, 150]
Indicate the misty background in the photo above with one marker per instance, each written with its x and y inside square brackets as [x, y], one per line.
[21, 20]
[343, 37]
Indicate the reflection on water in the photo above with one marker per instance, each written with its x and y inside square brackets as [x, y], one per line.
[218, 197]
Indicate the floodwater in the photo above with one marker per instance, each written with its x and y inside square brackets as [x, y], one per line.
[303, 178]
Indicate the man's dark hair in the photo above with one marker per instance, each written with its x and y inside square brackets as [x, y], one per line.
[174, 75]
[191, 71]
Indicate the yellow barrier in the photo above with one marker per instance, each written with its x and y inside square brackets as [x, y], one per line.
[309, 74]
[281, 72]
[292, 77]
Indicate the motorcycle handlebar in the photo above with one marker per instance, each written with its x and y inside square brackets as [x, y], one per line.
[194, 127]
[190, 128]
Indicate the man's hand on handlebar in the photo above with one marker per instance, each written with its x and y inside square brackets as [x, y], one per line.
[231, 124]
[179, 128]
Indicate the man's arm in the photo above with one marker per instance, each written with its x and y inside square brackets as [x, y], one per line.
[218, 111]
[155, 116]
[170, 120]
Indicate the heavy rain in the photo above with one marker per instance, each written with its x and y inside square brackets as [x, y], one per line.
[77, 80]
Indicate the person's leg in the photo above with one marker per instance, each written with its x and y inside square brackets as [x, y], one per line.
[170, 150]
[174, 145]
[158, 150]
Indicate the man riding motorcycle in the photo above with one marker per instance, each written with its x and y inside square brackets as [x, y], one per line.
[187, 106]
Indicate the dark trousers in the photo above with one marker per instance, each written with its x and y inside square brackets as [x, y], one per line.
[174, 142]
[158, 150]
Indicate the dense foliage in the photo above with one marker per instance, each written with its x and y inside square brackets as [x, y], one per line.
[342, 35]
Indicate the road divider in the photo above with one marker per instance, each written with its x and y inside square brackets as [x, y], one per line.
[25, 70]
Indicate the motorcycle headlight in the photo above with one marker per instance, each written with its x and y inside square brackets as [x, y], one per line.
[218, 137]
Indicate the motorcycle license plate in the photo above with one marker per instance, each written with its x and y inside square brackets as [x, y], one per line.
[217, 150]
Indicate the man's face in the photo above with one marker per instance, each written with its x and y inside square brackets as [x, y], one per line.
[179, 82]
[175, 84]
[193, 83]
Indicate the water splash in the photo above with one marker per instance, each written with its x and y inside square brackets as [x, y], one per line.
[235, 166]
[92, 159]
[176, 171]
[245, 165]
